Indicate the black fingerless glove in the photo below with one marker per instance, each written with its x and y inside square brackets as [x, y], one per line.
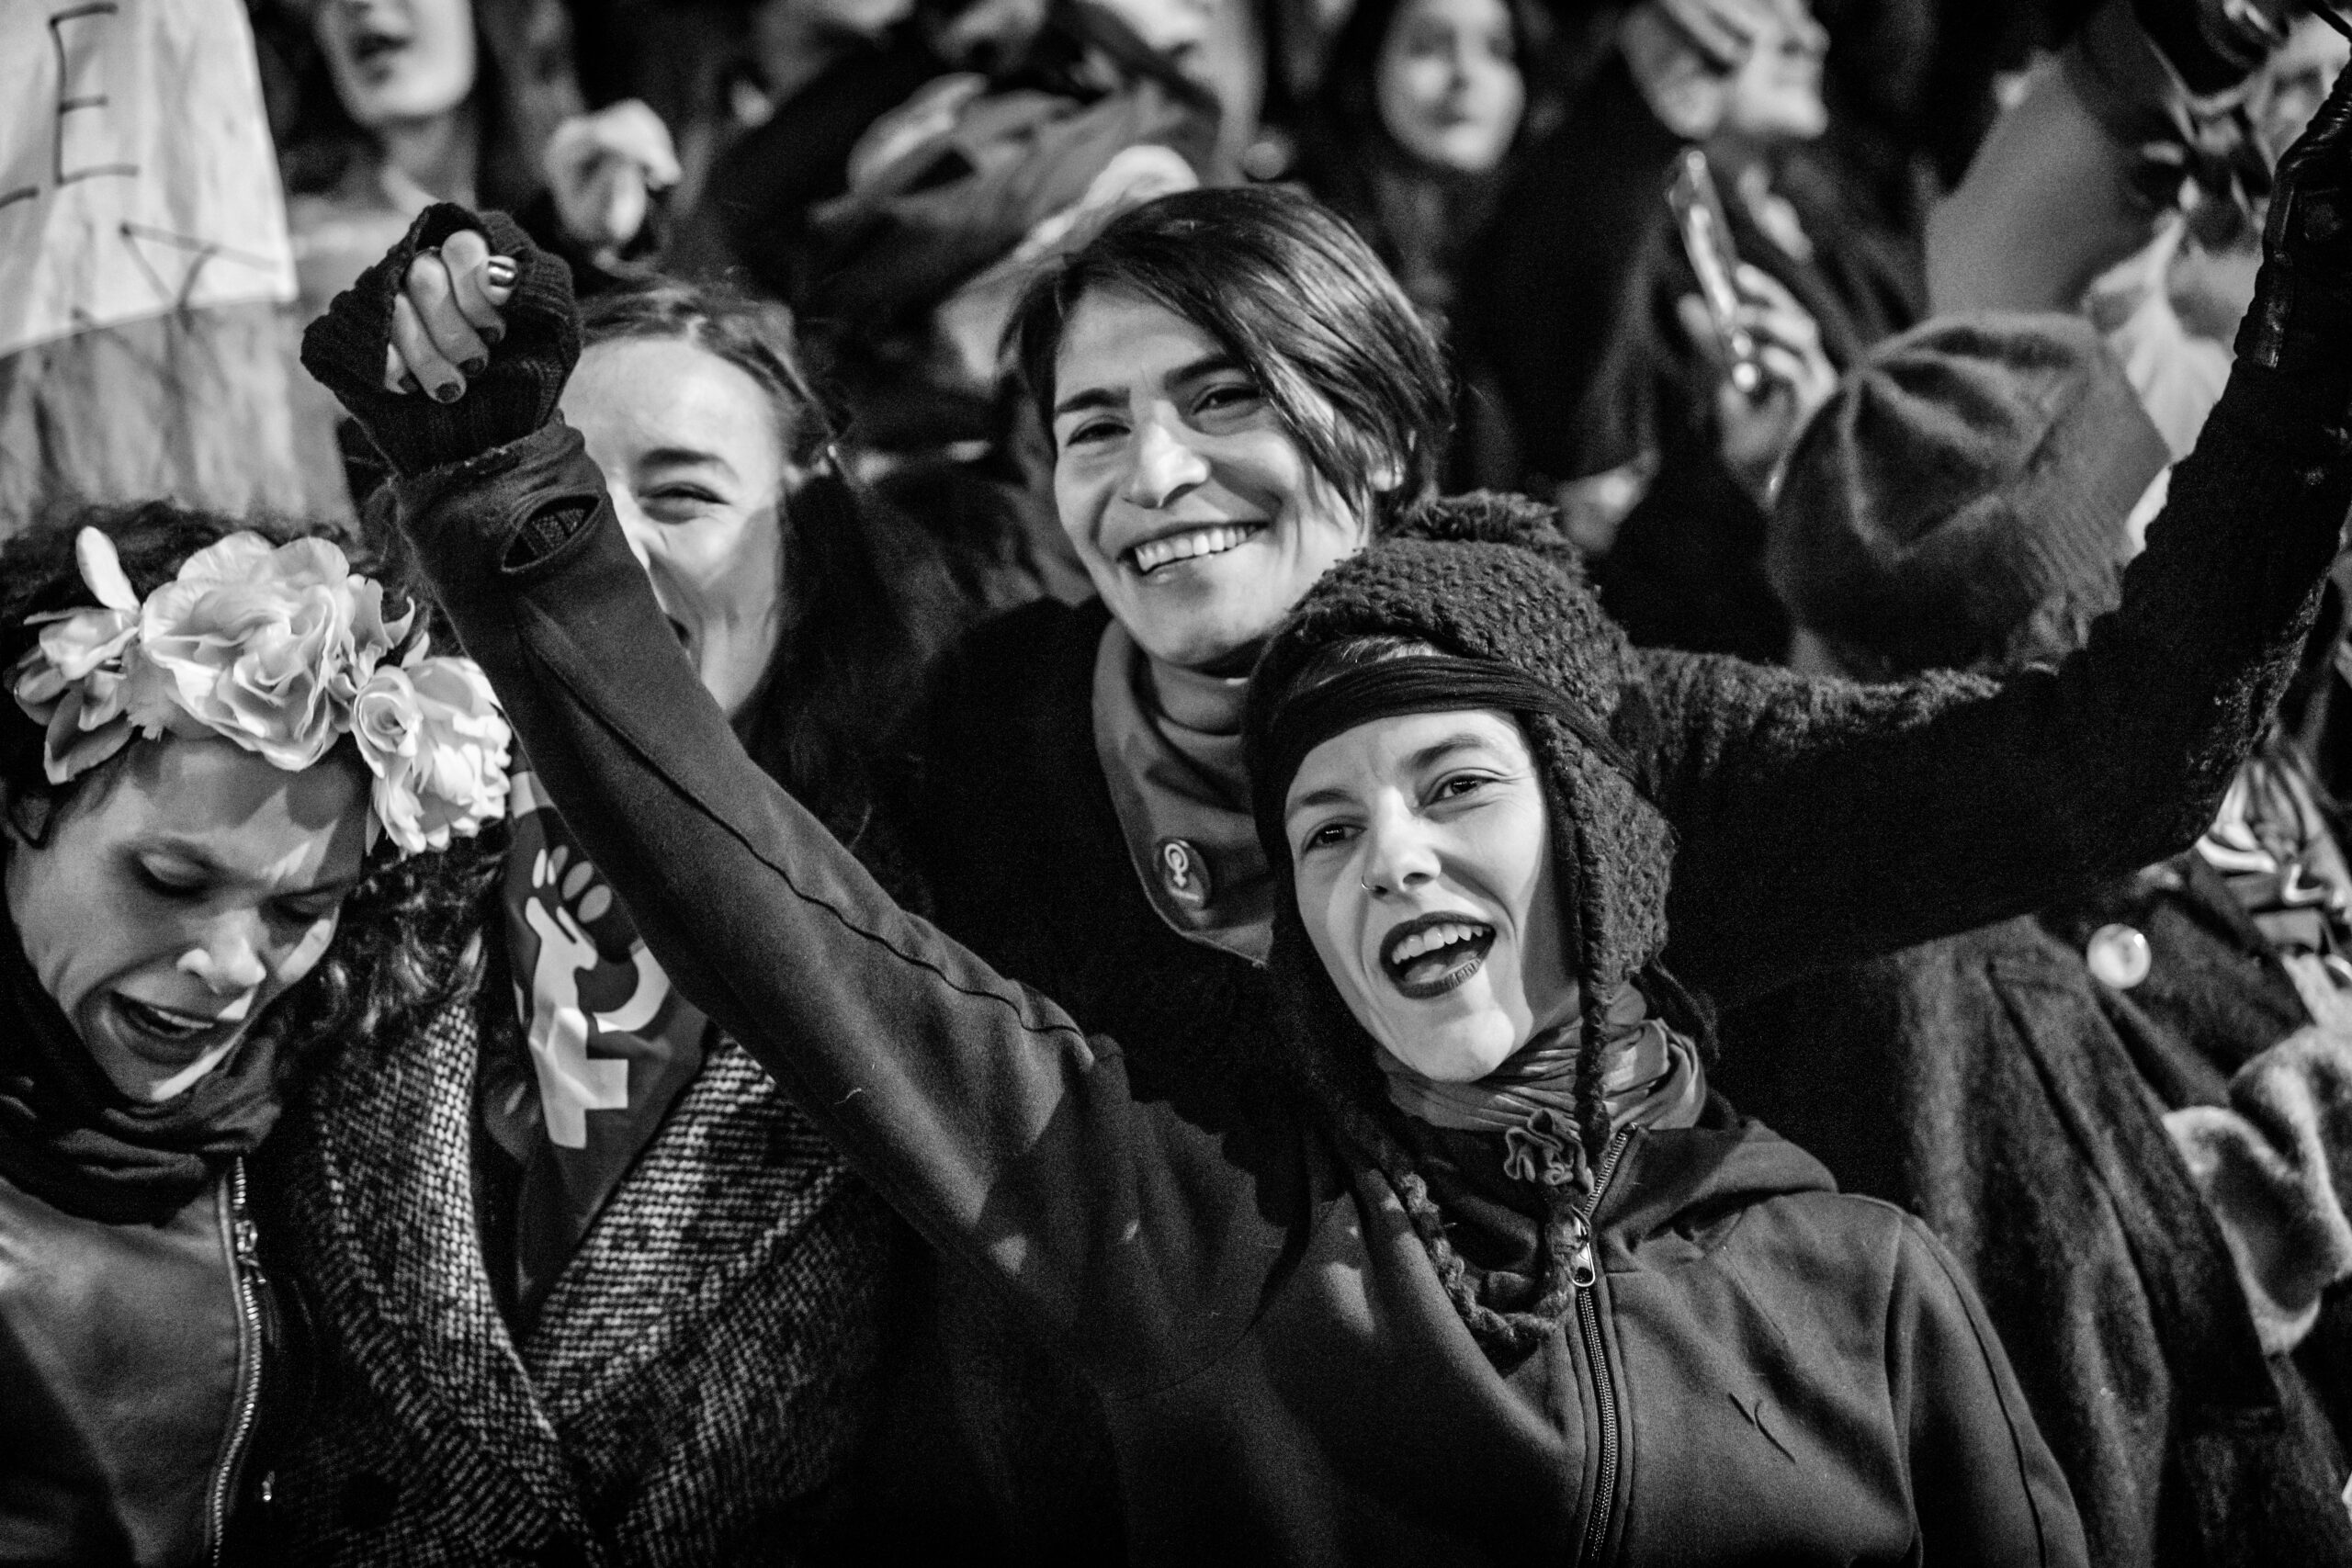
[514, 396]
[2301, 321]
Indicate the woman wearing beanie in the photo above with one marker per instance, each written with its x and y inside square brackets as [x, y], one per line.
[2123, 1110]
[1798, 805]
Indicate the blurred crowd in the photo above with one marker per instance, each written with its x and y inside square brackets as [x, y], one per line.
[1847, 352]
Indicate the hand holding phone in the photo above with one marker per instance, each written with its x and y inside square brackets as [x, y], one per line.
[1706, 239]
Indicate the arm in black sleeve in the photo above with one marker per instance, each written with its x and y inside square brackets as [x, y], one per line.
[1822, 821]
[977, 1108]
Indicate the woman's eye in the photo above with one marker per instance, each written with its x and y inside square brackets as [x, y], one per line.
[1227, 397]
[679, 500]
[167, 883]
[1094, 432]
[1328, 836]
[1457, 787]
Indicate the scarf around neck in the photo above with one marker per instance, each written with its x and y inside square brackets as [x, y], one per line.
[72, 1139]
[1650, 1076]
[1182, 799]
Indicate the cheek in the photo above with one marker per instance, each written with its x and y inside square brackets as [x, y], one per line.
[1331, 925]
[1081, 490]
[304, 956]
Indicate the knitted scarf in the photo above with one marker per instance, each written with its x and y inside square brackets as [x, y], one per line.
[72, 1139]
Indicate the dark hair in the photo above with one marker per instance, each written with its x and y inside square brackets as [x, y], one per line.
[318, 141]
[1350, 97]
[400, 948]
[1298, 298]
[855, 586]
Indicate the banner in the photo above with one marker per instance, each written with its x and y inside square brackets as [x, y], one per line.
[136, 171]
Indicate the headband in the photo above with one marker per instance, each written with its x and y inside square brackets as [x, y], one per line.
[1387, 688]
[282, 649]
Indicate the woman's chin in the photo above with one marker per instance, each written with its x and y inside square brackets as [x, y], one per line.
[1448, 1043]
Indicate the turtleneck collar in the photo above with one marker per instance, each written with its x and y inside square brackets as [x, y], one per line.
[1188, 701]
[1170, 742]
[1650, 1076]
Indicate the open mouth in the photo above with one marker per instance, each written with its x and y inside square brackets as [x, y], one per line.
[167, 1026]
[369, 48]
[1435, 953]
[1193, 543]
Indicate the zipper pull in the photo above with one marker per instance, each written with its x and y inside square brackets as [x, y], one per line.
[1583, 1270]
[244, 1234]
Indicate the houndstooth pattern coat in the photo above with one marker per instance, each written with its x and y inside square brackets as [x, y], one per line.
[697, 1378]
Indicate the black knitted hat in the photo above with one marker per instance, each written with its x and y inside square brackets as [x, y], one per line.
[1487, 578]
[1968, 476]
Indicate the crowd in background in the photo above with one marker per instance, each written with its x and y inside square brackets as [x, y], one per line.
[565, 1270]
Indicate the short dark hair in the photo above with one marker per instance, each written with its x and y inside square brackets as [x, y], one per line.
[400, 949]
[1295, 295]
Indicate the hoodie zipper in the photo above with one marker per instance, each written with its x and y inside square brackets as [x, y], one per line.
[245, 1270]
[1585, 1274]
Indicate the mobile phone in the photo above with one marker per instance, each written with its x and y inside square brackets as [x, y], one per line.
[1707, 240]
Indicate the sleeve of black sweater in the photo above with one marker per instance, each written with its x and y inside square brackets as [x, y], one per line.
[978, 1109]
[1822, 821]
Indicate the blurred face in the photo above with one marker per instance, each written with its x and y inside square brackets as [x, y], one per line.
[398, 61]
[779, 26]
[1448, 88]
[1777, 91]
[1174, 27]
[180, 895]
[2293, 83]
[1199, 518]
[1425, 879]
[693, 456]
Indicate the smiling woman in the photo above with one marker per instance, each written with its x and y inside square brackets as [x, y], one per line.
[222, 752]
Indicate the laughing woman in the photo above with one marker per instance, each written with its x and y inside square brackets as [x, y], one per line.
[220, 749]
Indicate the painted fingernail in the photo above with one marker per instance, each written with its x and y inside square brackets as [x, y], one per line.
[409, 382]
[449, 391]
[476, 366]
[493, 334]
[500, 271]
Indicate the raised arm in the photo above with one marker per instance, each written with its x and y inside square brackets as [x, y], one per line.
[1823, 821]
[978, 1109]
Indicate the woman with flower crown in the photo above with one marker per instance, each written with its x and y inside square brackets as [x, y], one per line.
[228, 763]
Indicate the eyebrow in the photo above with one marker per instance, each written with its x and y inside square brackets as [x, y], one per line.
[1209, 364]
[1428, 756]
[682, 457]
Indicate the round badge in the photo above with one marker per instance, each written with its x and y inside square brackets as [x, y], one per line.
[2119, 956]
[1184, 872]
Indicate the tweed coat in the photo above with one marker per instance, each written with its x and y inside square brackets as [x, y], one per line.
[692, 1391]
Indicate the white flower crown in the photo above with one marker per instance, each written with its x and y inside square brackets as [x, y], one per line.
[282, 649]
